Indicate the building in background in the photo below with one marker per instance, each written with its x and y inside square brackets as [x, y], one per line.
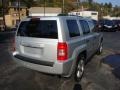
[87, 14]
[15, 13]
[47, 11]
[1, 24]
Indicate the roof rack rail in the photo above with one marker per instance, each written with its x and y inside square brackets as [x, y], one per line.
[66, 14]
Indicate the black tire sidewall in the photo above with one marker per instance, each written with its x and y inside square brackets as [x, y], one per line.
[100, 51]
[75, 74]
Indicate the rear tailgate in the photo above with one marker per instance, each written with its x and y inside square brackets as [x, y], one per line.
[37, 39]
[40, 49]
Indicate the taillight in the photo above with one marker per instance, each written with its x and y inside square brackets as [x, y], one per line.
[13, 45]
[62, 51]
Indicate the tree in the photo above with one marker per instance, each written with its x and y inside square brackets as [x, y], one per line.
[90, 1]
[69, 6]
[110, 5]
[0, 9]
[29, 3]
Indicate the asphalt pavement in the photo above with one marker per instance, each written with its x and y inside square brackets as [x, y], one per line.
[112, 40]
[101, 72]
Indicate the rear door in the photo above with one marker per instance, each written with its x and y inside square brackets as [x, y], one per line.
[75, 39]
[88, 37]
[38, 39]
[95, 36]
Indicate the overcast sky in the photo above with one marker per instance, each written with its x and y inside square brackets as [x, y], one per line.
[114, 2]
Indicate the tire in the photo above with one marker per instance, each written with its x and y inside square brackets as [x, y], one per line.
[100, 49]
[79, 70]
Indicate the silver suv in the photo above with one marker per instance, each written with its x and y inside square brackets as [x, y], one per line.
[58, 45]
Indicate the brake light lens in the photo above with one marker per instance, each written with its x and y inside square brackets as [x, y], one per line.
[62, 51]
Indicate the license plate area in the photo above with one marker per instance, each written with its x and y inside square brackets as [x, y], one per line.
[34, 52]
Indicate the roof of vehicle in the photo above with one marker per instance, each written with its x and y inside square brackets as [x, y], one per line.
[53, 17]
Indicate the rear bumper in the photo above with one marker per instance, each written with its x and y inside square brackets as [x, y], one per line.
[58, 68]
[35, 61]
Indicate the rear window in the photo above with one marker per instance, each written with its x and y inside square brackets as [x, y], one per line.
[38, 29]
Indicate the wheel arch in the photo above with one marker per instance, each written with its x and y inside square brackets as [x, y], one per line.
[84, 53]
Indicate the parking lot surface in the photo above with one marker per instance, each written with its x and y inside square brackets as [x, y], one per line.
[101, 73]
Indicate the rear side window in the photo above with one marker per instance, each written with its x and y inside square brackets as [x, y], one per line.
[73, 28]
[38, 29]
[85, 27]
